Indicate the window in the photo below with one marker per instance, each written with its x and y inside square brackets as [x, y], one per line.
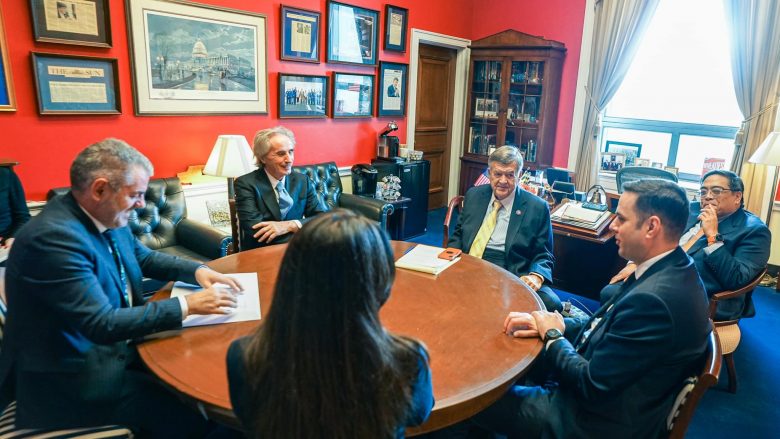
[677, 99]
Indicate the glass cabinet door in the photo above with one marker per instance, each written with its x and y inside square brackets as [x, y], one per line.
[525, 97]
[485, 101]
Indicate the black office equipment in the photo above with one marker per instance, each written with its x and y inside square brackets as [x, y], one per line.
[364, 179]
[556, 174]
[415, 177]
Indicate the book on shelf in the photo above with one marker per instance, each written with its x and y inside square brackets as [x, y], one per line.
[424, 258]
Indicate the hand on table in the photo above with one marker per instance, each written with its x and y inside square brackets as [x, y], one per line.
[213, 300]
[206, 277]
[267, 231]
[624, 273]
[546, 320]
[521, 325]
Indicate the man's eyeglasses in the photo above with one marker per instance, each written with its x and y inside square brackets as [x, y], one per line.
[715, 191]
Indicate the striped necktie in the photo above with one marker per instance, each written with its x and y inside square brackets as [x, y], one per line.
[109, 234]
[485, 231]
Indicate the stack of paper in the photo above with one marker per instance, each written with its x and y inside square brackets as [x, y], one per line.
[248, 302]
[424, 258]
[576, 215]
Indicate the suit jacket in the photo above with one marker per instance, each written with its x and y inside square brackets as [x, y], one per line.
[13, 207]
[529, 236]
[745, 252]
[66, 335]
[623, 380]
[256, 202]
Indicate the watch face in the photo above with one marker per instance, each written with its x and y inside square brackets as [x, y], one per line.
[552, 333]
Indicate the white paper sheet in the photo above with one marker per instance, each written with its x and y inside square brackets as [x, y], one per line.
[424, 258]
[248, 302]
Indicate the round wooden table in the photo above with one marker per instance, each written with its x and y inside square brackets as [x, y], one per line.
[458, 315]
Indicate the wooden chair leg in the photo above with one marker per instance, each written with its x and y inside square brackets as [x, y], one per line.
[732, 371]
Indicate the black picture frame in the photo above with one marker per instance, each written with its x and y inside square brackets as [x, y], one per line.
[76, 85]
[393, 80]
[631, 150]
[352, 34]
[353, 95]
[303, 96]
[295, 25]
[396, 26]
[81, 22]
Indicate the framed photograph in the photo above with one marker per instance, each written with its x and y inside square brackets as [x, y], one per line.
[486, 108]
[303, 96]
[353, 95]
[190, 58]
[70, 84]
[673, 169]
[642, 162]
[392, 89]
[7, 98]
[83, 22]
[631, 150]
[612, 161]
[300, 35]
[396, 23]
[352, 34]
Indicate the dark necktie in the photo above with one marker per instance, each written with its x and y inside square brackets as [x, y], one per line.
[285, 201]
[120, 267]
[601, 312]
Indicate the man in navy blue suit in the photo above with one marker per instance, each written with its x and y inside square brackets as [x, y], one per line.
[273, 202]
[73, 285]
[619, 375]
[729, 245]
[518, 235]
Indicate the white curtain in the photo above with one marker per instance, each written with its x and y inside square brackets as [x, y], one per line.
[617, 32]
[755, 64]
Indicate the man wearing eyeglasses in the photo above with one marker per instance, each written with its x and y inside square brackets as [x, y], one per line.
[729, 245]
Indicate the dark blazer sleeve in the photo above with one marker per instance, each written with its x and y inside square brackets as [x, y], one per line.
[422, 393]
[237, 381]
[639, 334]
[16, 203]
[542, 261]
[734, 266]
[162, 266]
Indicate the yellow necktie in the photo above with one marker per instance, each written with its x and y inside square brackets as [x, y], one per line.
[687, 246]
[485, 231]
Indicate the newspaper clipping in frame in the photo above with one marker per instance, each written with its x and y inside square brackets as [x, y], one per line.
[391, 83]
[73, 16]
[71, 90]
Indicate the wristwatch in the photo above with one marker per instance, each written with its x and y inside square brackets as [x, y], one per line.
[552, 334]
[717, 238]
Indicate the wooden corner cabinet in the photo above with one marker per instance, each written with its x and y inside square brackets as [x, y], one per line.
[514, 85]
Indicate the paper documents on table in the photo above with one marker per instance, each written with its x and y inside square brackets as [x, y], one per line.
[575, 214]
[424, 258]
[248, 302]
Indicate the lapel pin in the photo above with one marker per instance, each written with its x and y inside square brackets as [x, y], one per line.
[518, 212]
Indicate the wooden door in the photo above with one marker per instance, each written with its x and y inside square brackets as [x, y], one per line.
[433, 128]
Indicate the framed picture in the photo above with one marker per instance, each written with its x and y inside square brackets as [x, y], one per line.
[353, 95]
[197, 59]
[303, 96]
[486, 108]
[396, 22]
[352, 34]
[392, 89]
[642, 162]
[673, 169]
[300, 35]
[612, 161]
[7, 98]
[84, 22]
[70, 84]
[631, 150]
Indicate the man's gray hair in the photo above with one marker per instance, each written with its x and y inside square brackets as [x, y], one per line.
[111, 158]
[507, 155]
[262, 142]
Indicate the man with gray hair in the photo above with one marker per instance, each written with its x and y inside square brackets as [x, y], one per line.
[73, 285]
[509, 227]
[273, 202]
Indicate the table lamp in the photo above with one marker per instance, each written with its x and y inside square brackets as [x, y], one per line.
[768, 153]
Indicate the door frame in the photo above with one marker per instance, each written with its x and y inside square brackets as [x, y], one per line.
[463, 55]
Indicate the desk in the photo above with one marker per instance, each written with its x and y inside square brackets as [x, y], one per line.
[458, 315]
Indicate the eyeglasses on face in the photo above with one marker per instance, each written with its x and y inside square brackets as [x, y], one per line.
[716, 191]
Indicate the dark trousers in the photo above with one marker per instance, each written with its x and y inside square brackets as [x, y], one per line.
[548, 296]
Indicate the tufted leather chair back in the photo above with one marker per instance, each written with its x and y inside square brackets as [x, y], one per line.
[326, 181]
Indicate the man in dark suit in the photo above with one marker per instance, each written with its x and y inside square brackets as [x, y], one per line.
[508, 226]
[73, 285]
[273, 202]
[620, 376]
[729, 245]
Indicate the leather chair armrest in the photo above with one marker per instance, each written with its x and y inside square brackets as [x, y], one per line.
[377, 210]
[203, 239]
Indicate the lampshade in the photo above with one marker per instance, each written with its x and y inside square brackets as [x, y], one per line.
[768, 153]
[230, 157]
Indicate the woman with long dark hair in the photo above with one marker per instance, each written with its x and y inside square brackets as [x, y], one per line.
[321, 365]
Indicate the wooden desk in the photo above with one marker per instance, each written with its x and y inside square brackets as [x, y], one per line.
[458, 315]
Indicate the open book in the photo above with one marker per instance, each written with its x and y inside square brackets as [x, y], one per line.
[424, 258]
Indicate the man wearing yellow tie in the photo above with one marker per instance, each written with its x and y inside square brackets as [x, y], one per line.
[729, 245]
[509, 227]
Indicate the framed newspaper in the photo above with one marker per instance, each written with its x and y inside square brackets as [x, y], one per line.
[83, 22]
[396, 24]
[70, 84]
[300, 35]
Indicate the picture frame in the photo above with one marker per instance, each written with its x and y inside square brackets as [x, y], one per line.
[352, 34]
[631, 150]
[392, 89]
[353, 95]
[81, 22]
[7, 96]
[300, 35]
[486, 108]
[612, 162]
[74, 84]
[396, 24]
[673, 169]
[303, 96]
[214, 63]
[642, 162]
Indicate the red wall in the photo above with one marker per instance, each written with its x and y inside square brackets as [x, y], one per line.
[45, 145]
[559, 20]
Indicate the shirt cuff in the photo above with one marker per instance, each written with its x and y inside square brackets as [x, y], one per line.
[550, 342]
[539, 278]
[185, 310]
[298, 223]
[712, 247]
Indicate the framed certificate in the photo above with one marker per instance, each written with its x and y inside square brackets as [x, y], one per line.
[396, 23]
[83, 22]
[70, 84]
[300, 35]
[352, 34]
